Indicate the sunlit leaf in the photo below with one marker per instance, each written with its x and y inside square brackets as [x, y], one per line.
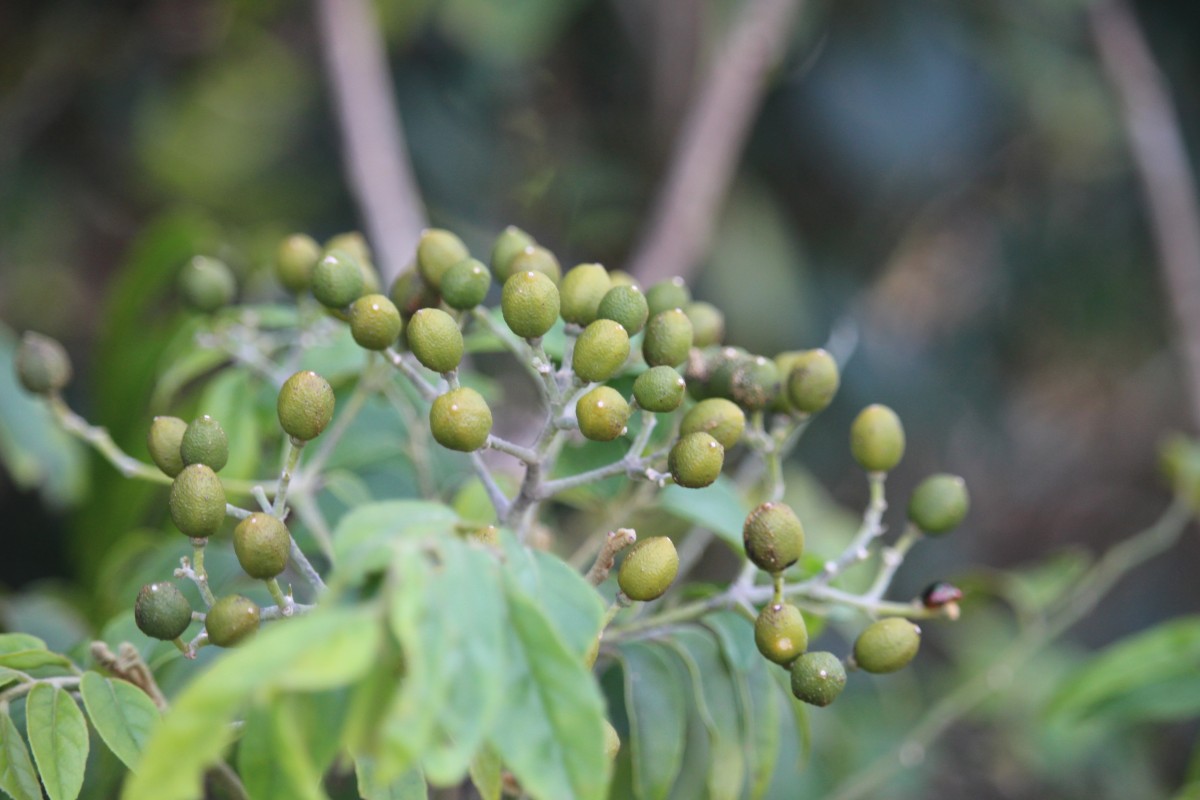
[17, 776]
[121, 713]
[58, 736]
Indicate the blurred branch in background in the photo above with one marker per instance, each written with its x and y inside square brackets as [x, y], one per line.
[1162, 165]
[377, 162]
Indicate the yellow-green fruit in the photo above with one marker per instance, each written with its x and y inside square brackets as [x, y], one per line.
[197, 501]
[722, 367]
[716, 416]
[536, 259]
[435, 339]
[812, 380]
[42, 364]
[232, 619]
[337, 279]
[754, 384]
[877, 439]
[780, 633]
[602, 414]
[582, 289]
[887, 645]
[262, 544]
[466, 284]
[295, 260]
[163, 441]
[530, 303]
[708, 323]
[627, 305]
[659, 389]
[648, 569]
[612, 741]
[600, 351]
[438, 251]
[512, 240]
[375, 322]
[695, 460]
[204, 442]
[206, 284]
[161, 611]
[939, 504]
[355, 244]
[666, 295]
[773, 536]
[460, 420]
[668, 338]
[620, 277]
[818, 678]
[410, 294]
[305, 405]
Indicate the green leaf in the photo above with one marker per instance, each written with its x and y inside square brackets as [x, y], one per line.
[16, 642]
[718, 507]
[18, 779]
[573, 605]
[33, 659]
[487, 774]
[58, 736]
[655, 703]
[8, 676]
[121, 713]
[1036, 588]
[182, 369]
[409, 786]
[364, 539]
[273, 759]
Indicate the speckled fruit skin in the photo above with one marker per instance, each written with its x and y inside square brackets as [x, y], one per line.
[163, 441]
[600, 351]
[232, 619]
[529, 303]
[460, 420]
[754, 384]
[818, 678]
[435, 339]
[409, 294]
[161, 611]
[887, 645]
[780, 633]
[602, 414]
[773, 536]
[648, 569]
[718, 417]
[354, 243]
[206, 284]
[337, 279]
[305, 405]
[42, 364]
[375, 322]
[811, 381]
[668, 339]
[668, 294]
[204, 442]
[512, 240]
[582, 289]
[708, 324]
[939, 504]
[659, 389]
[877, 439]
[437, 251]
[262, 543]
[295, 260]
[695, 460]
[197, 501]
[625, 304]
[466, 284]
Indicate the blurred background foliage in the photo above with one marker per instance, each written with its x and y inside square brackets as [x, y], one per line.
[953, 175]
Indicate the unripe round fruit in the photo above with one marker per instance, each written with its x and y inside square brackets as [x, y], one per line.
[204, 442]
[231, 619]
[627, 305]
[512, 240]
[435, 339]
[939, 504]
[536, 259]
[355, 244]
[337, 279]
[780, 633]
[438, 251]
[612, 741]
[410, 294]
[305, 405]
[466, 284]
[695, 460]
[602, 414]
[668, 294]
[375, 322]
[887, 645]
[708, 323]
[620, 277]
[818, 678]
[754, 384]
[206, 284]
[668, 339]
[295, 260]
[262, 544]
[197, 501]
[716, 416]
[582, 289]
[773, 536]
[600, 351]
[42, 364]
[460, 420]
[163, 441]
[877, 439]
[530, 303]
[648, 569]
[659, 389]
[723, 367]
[161, 611]
[812, 381]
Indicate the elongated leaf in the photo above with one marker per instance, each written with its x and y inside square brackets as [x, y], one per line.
[273, 760]
[58, 736]
[121, 713]
[487, 774]
[8, 676]
[365, 538]
[17, 776]
[181, 370]
[33, 659]
[654, 701]
[573, 606]
[409, 786]
[16, 642]
[718, 507]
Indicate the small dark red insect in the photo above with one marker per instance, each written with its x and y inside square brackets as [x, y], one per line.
[940, 593]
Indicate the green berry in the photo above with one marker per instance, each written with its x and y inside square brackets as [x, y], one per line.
[695, 460]
[708, 323]
[668, 339]
[355, 244]
[435, 339]
[602, 414]
[511, 241]
[375, 322]
[780, 633]
[582, 289]
[773, 536]
[337, 279]
[627, 305]
[466, 284]
[305, 405]
[600, 351]
[723, 368]
[812, 380]
[939, 504]
[204, 442]
[887, 645]
[877, 439]
[659, 389]
[410, 294]
[164, 441]
[716, 416]
[818, 678]
[295, 261]
[620, 277]
[666, 295]
[232, 619]
[530, 303]
[262, 544]
[197, 501]
[754, 384]
[460, 420]
[206, 284]
[42, 364]
[648, 569]
[438, 251]
[161, 611]
[536, 259]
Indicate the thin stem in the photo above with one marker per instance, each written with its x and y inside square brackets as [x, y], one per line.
[236, 512]
[310, 514]
[428, 392]
[870, 530]
[13, 692]
[306, 568]
[499, 501]
[545, 369]
[632, 464]
[264, 502]
[284, 602]
[892, 558]
[511, 448]
[291, 449]
[279, 612]
[519, 349]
